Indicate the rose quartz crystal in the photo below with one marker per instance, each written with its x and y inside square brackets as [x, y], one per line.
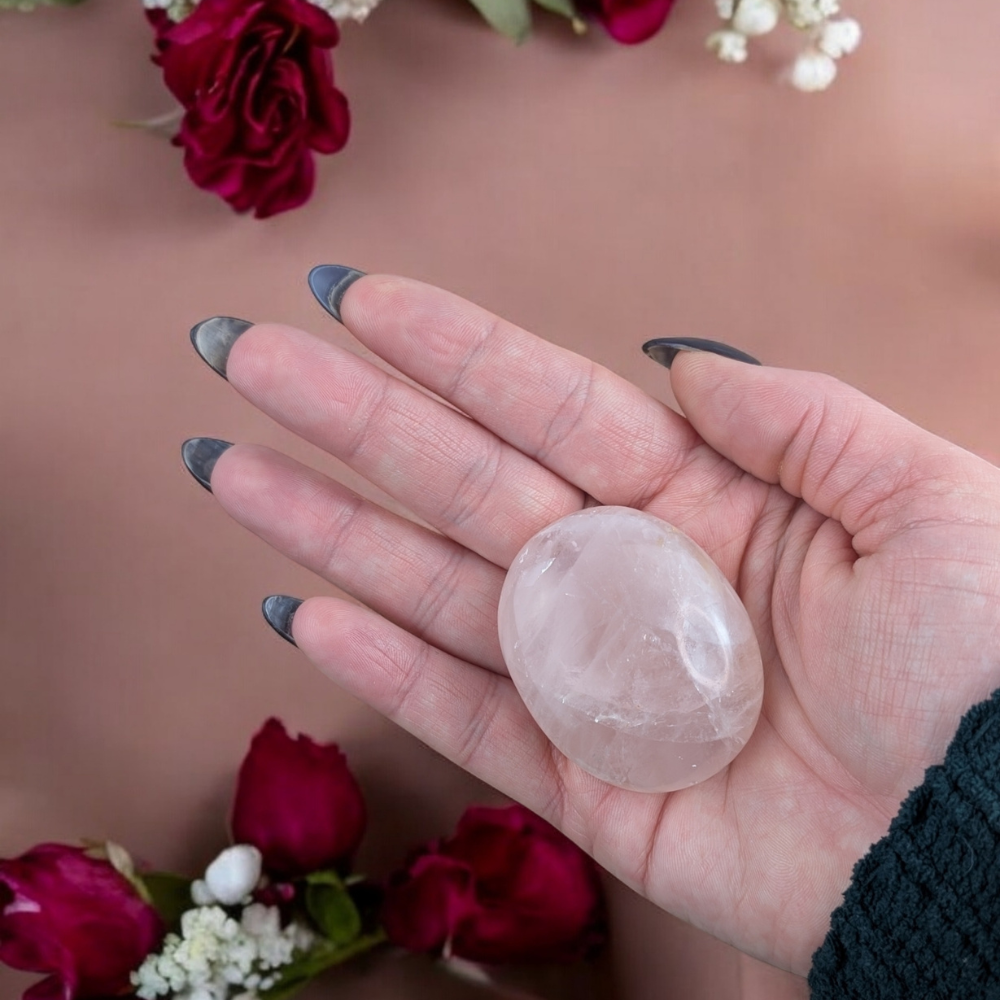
[630, 649]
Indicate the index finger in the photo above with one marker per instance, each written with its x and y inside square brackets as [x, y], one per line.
[586, 424]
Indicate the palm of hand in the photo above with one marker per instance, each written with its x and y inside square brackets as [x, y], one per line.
[869, 664]
[874, 598]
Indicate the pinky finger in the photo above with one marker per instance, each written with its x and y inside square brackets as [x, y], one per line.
[474, 717]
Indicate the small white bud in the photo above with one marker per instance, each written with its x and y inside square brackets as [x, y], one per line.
[198, 993]
[810, 13]
[260, 920]
[840, 38]
[725, 8]
[729, 46]
[756, 17]
[201, 895]
[302, 937]
[813, 71]
[234, 874]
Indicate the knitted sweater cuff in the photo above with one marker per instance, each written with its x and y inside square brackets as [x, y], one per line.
[921, 917]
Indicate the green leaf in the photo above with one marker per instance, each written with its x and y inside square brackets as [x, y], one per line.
[331, 907]
[510, 17]
[565, 7]
[170, 894]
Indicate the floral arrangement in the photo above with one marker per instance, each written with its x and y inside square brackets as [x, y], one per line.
[255, 84]
[281, 905]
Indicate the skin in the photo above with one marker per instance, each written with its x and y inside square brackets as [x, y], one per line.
[866, 550]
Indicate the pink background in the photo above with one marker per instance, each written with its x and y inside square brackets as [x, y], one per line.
[595, 194]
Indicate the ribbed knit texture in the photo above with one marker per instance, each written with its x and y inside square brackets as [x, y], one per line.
[921, 918]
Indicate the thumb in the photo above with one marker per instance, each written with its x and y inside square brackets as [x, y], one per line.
[847, 456]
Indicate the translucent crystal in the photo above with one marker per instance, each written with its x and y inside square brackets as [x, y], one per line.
[630, 649]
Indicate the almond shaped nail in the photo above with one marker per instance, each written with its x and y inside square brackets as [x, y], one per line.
[213, 339]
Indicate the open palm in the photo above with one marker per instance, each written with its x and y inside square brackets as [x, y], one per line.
[866, 550]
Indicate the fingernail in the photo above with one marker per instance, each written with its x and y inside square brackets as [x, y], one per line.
[200, 455]
[279, 611]
[213, 339]
[329, 283]
[663, 350]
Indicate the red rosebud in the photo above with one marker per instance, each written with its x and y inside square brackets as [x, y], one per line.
[297, 803]
[630, 21]
[76, 918]
[507, 887]
[256, 82]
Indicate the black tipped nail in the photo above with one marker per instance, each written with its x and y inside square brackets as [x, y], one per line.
[213, 339]
[279, 611]
[329, 283]
[663, 350]
[200, 455]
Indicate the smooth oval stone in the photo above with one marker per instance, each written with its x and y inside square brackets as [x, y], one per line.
[630, 649]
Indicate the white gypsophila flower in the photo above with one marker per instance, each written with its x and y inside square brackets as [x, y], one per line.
[729, 46]
[234, 874]
[215, 955]
[303, 937]
[813, 70]
[810, 13]
[725, 8]
[347, 10]
[756, 17]
[176, 10]
[839, 38]
[201, 895]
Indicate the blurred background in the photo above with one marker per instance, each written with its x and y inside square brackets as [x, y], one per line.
[596, 194]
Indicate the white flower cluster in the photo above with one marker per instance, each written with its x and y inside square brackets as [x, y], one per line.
[339, 10]
[347, 10]
[176, 10]
[829, 37]
[214, 956]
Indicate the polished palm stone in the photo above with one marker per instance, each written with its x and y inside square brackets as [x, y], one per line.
[630, 649]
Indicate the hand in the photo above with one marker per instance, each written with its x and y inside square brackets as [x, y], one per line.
[866, 550]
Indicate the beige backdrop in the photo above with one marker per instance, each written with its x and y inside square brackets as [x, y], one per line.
[596, 194]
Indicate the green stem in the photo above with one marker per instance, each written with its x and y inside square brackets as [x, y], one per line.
[324, 956]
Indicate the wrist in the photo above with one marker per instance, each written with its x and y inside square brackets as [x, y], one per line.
[920, 916]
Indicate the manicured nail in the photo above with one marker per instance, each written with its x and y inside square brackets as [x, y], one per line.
[200, 455]
[329, 283]
[213, 339]
[279, 611]
[663, 350]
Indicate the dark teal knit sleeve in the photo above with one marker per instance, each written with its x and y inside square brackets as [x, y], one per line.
[921, 918]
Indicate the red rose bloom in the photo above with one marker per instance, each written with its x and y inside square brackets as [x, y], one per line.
[630, 21]
[76, 918]
[297, 803]
[507, 887]
[256, 82]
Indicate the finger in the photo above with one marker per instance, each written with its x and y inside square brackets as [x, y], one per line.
[451, 472]
[586, 424]
[847, 456]
[475, 718]
[421, 581]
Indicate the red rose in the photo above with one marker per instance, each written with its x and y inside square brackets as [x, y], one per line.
[76, 918]
[256, 82]
[507, 887]
[297, 803]
[630, 21]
